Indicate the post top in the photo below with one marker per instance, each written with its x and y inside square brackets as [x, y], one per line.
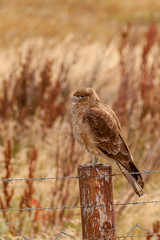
[99, 166]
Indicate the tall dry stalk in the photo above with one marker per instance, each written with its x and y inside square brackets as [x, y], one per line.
[8, 192]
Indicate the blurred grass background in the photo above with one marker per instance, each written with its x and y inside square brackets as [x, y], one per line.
[98, 20]
[48, 50]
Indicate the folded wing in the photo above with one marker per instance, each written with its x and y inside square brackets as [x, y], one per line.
[106, 132]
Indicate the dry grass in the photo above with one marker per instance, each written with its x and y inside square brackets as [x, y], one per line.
[36, 132]
[102, 20]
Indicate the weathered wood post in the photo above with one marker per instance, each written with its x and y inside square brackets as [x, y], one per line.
[96, 198]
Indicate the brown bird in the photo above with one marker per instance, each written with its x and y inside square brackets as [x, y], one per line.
[97, 129]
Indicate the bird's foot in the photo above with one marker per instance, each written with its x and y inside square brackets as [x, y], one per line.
[94, 162]
[88, 165]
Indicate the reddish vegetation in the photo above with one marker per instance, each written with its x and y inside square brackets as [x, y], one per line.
[7, 191]
[142, 88]
[61, 189]
[138, 101]
[22, 94]
[29, 191]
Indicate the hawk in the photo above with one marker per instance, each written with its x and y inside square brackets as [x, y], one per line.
[97, 129]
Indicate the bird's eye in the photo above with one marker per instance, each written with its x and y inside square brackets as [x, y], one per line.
[82, 96]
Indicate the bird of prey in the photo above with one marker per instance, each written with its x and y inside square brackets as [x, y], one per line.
[97, 129]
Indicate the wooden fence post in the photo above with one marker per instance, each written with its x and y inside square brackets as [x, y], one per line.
[96, 198]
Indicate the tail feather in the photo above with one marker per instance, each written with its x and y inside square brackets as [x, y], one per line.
[135, 180]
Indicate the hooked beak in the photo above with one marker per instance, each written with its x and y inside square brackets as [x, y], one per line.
[75, 99]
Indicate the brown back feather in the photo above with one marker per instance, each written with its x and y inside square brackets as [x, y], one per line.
[106, 133]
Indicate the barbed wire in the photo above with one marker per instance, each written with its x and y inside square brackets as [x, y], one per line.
[41, 179]
[66, 234]
[131, 236]
[149, 233]
[25, 237]
[139, 235]
[74, 207]
[118, 237]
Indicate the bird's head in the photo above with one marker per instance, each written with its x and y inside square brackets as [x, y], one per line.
[85, 97]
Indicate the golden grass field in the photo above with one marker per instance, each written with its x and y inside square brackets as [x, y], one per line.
[48, 50]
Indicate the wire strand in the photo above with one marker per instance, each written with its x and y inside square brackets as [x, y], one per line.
[41, 179]
[74, 207]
